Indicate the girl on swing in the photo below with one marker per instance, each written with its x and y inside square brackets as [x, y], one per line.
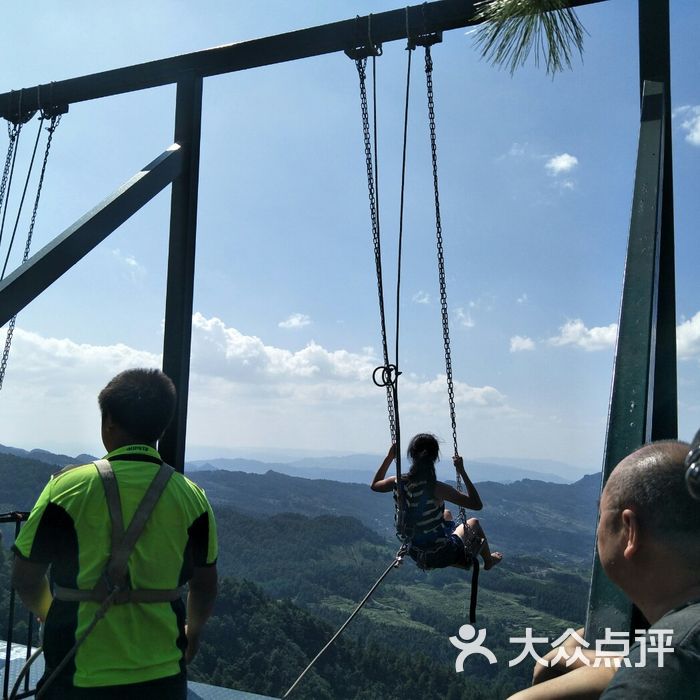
[436, 540]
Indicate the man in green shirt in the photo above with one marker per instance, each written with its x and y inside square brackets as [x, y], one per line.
[139, 649]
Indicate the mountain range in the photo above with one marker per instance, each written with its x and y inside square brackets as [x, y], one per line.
[311, 548]
[354, 468]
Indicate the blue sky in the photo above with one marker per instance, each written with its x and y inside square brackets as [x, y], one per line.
[536, 181]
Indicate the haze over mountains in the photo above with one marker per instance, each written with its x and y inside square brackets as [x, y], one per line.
[360, 468]
[355, 468]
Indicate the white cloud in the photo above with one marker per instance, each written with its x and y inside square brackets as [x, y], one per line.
[522, 299]
[688, 338]
[422, 400]
[562, 163]
[295, 321]
[603, 337]
[242, 391]
[219, 350]
[691, 122]
[520, 343]
[421, 297]
[465, 318]
[589, 339]
[129, 263]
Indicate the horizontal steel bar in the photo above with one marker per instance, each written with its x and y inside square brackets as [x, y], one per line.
[315, 41]
[56, 258]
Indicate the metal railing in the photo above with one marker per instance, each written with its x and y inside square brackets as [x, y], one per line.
[16, 517]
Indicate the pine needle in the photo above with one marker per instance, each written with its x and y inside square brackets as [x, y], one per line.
[513, 29]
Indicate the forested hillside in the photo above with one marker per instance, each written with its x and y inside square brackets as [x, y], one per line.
[291, 579]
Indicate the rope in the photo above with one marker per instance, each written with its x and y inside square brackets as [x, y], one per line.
[389, 371]
[99, 614]
[27, 248]
[395, 563]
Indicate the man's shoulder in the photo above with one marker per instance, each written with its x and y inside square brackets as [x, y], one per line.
[73, 473]
[188, 489]
[684, 622]
[678, 632]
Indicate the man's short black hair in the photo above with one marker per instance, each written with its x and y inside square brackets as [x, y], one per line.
[141, 402]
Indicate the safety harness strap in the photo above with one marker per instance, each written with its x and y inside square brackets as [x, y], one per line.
[117, 569]
[114, 502]
[114, 582]
[141, 595]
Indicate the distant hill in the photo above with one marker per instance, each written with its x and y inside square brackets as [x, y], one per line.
[550, 467]
[527, 517]
[46, 456]
[359, 469]
[355, 468]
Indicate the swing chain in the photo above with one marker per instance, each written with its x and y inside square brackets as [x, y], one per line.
[13, 134]
[55, 119]
[389, 372]
[441, 268]
[51, 128]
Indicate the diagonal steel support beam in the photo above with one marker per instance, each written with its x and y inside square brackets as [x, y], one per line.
[53, 260]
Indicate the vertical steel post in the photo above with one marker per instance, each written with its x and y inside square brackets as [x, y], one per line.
[655, 64]
[631, 398]
[181, 260]
[643, 402]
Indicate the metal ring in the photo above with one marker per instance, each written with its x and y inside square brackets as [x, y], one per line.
[389, 375]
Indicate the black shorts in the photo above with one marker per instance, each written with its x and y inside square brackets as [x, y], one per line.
[455, 552]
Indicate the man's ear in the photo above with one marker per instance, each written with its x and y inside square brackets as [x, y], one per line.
[630, 526]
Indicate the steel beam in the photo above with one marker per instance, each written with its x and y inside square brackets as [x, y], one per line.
[632, 395]
[181, 261]
[315, 41]
[53, 260]
[655, 64]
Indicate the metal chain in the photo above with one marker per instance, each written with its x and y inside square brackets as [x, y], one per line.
[441, 267]
[389, 377]
[11, 326]
[13, 134]
[51, 129]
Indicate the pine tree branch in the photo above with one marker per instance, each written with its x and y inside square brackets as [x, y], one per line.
[513, 29]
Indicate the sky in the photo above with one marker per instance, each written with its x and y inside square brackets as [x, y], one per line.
[536, 178]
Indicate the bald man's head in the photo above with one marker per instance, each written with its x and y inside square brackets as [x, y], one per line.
[651, 481]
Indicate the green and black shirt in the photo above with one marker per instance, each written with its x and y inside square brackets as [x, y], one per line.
[69, 528]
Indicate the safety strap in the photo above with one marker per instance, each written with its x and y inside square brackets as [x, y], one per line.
[114, 581]
[420, 556]
[113, 588]
[474, 590]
